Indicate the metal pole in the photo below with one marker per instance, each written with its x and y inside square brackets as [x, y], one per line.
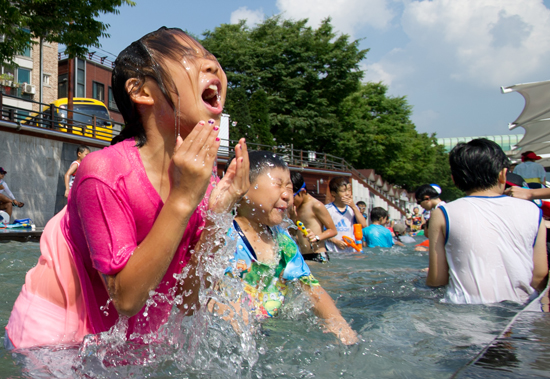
[41, 76]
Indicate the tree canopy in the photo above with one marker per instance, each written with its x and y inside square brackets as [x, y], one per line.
[304, 72]
[291, 84]
[381, 136]
[72, 23]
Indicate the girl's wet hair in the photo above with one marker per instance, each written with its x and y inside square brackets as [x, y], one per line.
[143, 59]
[260, 161]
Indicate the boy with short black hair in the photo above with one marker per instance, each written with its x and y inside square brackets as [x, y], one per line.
[377, 235]
[486, 247]
[362, 206]
[316, 219]
[344, 213]
[427, 196]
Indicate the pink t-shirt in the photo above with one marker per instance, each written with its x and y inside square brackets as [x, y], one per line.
[112, 208]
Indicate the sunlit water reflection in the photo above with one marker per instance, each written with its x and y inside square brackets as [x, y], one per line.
[406, 331]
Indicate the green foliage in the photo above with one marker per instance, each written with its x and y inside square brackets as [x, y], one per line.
[304, 72]
[302, 86]
[73, 23]
[380, 135]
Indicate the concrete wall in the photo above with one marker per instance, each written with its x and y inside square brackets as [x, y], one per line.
[36, 168]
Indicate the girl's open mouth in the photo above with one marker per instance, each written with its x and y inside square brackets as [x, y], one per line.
[211, 97]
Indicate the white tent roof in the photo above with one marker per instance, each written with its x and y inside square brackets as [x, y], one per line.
[537, 101]
[535, 119]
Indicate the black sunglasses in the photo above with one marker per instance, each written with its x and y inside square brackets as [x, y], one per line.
[420, 201]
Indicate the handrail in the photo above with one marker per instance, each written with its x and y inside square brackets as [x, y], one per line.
[55, 118]
[52, 121]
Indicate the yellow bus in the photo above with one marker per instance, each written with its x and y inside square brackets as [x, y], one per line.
[89, 116]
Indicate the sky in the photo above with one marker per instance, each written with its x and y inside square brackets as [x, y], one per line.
[449, 58]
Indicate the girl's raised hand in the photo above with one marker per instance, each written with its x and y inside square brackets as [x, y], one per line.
[191, 165]
[234, 184]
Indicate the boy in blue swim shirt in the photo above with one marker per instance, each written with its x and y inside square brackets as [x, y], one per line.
[377, 235]
[266, 257]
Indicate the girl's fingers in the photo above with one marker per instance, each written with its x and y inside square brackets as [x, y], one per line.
[189, 141]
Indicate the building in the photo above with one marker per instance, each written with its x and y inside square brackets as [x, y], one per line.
[505, 141]
[21, 82]
[92, 79]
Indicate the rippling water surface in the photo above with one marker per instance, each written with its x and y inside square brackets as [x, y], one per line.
[405, 330]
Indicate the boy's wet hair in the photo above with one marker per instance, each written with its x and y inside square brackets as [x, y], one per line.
[378, 213]
[336, 183]
[145, 58]
[426, 190]
[260, 161]
[297, 181]
[361, 202]
[81, 149]
[476, 165]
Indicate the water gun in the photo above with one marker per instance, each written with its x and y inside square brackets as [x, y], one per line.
[302, 227]
[358, 234]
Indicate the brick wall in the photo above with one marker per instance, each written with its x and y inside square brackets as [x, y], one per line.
[50, 69]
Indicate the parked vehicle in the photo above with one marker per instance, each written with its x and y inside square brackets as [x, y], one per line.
[90, 117]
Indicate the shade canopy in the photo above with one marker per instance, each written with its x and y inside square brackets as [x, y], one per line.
[535, 119]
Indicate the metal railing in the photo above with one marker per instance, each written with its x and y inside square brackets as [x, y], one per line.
[55, 118]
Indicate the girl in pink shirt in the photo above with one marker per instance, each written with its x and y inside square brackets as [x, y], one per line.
[137, 209]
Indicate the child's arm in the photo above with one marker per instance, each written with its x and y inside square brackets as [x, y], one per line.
[322, 215]
[540, 260]
[190, 172]
[68, 174]
[528, 194]
[324, 307]
[438, 273]
[223, 198]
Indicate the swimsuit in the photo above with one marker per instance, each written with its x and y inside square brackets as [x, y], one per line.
[265, 283]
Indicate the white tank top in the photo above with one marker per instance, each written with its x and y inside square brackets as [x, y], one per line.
[71, 179]
[489, 249]
[344, 226]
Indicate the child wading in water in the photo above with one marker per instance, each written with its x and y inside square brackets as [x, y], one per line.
[267, 258]
[81, 152]
[316, 219]
[136, 209]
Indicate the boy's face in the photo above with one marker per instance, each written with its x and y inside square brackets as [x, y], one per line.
[83, 155]
[268, 198]
[362, 208]
[426, 203]
[343, 193]
[299, 198]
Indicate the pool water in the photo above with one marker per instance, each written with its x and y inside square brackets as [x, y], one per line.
[406, 331]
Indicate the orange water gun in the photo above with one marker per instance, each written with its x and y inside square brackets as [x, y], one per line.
[358, 234]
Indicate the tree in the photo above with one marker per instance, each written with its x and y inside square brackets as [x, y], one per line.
[380, 135]
[259, 114]
[305, 73]
[72, 23]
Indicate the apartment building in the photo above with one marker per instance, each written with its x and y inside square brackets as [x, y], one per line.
[21, 82]
[92, 79]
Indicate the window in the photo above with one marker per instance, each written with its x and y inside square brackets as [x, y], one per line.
[80, 78]
[46, 79]
[112, 102]
[98, 91]
[26, 52]
[63, 86]
[23, 75]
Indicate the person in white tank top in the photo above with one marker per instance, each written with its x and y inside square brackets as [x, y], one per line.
[486, 247]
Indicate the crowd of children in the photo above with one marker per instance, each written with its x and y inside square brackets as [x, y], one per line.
[137, 215]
